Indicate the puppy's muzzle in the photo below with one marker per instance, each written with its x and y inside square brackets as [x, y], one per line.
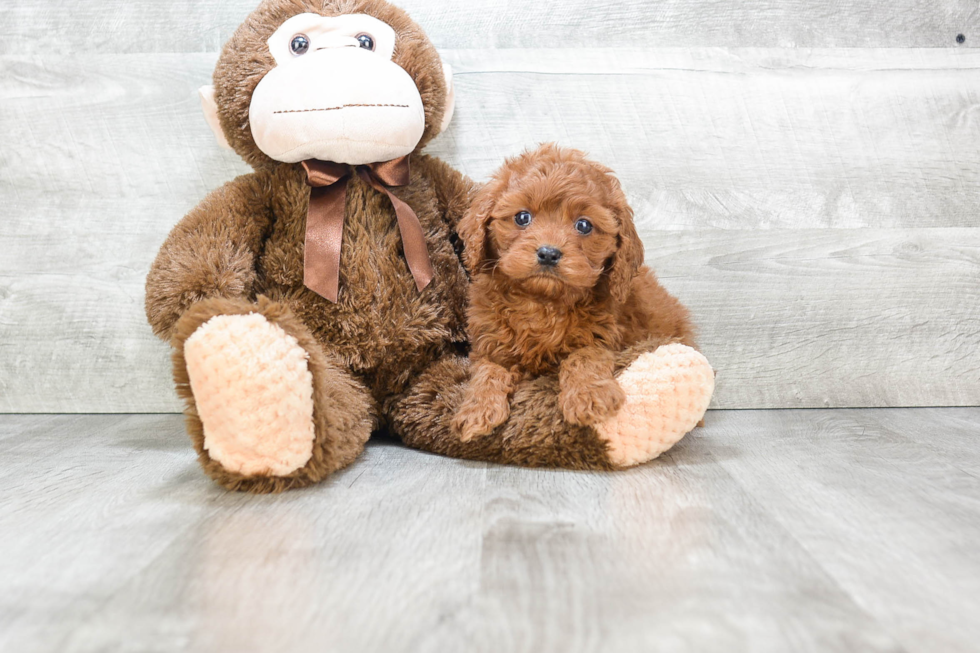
[548, 256]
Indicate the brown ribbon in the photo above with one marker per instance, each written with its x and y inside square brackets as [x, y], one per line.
[325, 221]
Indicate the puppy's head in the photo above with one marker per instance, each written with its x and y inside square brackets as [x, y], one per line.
[554, 223]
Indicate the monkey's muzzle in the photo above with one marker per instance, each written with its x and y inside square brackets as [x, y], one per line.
[338, 104]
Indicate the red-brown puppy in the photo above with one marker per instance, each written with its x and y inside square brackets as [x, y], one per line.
[558, 285]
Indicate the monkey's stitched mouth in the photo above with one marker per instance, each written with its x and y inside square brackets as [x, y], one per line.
[343, 106]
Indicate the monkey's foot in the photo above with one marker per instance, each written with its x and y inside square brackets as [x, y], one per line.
[667, 393]
[254, 394]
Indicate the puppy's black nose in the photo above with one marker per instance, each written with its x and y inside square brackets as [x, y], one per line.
[549, 255]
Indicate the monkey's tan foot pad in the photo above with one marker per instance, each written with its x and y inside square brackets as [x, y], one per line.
[254, 394]
[667, 393]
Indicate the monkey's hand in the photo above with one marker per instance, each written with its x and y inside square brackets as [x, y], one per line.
[210, 253]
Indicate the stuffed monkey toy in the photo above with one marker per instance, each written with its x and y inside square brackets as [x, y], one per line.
[321, 297]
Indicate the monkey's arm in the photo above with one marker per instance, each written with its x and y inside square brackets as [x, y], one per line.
[210, 253]
[454, 190]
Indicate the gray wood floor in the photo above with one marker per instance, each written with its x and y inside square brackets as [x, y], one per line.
[820, 530]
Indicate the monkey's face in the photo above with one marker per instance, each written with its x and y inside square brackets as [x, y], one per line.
[335, 94]
[361, 84]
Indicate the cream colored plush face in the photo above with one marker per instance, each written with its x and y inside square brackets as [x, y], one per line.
[335, 99]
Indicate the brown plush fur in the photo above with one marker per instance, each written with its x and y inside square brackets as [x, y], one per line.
[526, 319]
[535, 435]
[385, 355]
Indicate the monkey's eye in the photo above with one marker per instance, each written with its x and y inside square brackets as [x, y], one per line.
[583, 226]
[523, 218]
[366, 41]
[299, 45]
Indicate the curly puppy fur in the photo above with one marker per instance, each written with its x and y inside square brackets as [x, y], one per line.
[526, 318]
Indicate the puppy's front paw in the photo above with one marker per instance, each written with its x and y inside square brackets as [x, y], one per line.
[586, 405]
[480, 417]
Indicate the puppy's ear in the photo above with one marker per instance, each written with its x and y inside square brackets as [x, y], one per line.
[628, 257]
[472, 228]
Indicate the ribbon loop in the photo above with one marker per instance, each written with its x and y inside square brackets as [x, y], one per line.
[392, 173]
[323, 173]
[325, 222]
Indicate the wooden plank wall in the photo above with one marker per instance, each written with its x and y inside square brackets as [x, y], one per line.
[806, 176]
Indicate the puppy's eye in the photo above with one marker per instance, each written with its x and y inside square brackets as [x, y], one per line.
[523, 219]
[299, 45]
[583, 226]
[366, 41]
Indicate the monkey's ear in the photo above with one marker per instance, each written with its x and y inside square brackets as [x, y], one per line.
[447, 116]
[211, 114]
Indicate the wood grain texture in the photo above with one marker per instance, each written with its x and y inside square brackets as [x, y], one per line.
[764, 531]
[831, 317]
[109, 26]
[895, 535]
[741, 139]
[782, 194]
[956, 440]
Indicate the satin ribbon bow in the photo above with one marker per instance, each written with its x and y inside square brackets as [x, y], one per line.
[325, 221]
